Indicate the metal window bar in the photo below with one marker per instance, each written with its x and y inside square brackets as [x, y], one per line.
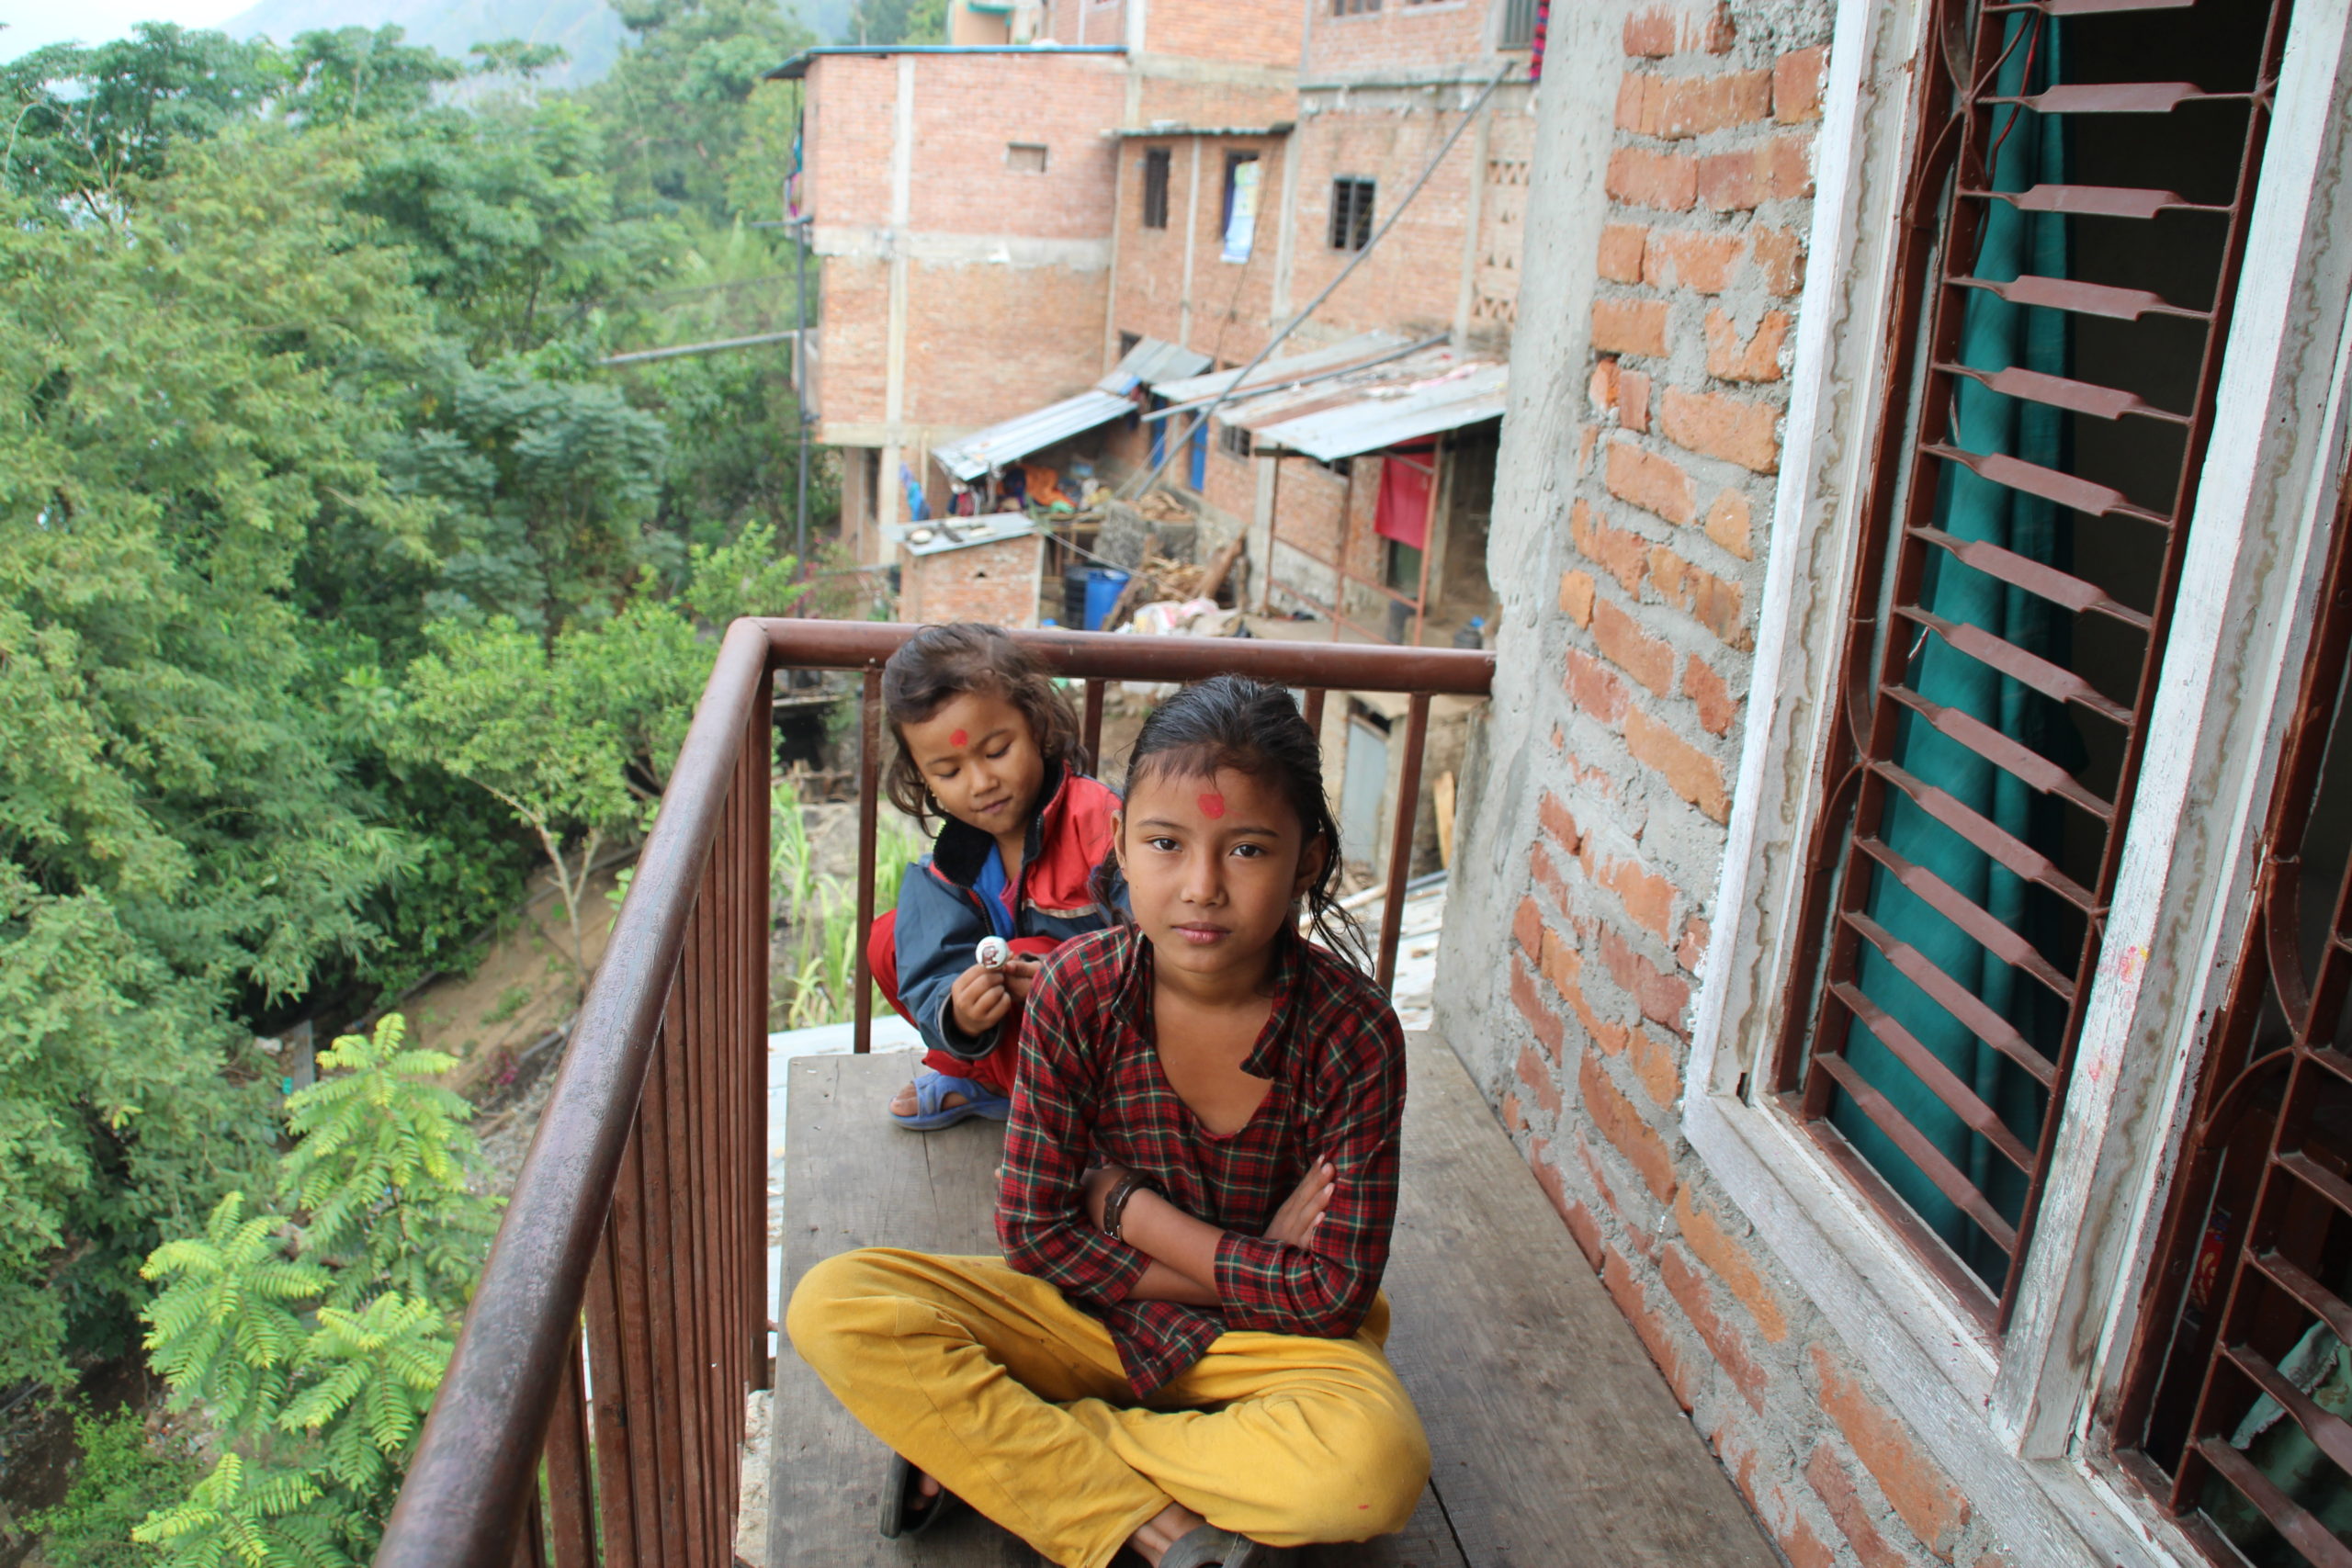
[1518, 25]
[593, 1410]
[1155, 190]
[2256, 1245]
[1949, 186]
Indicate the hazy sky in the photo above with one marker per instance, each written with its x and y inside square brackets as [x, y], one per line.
[32, 23]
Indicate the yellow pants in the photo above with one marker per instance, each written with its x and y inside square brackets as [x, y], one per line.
[992, 1382]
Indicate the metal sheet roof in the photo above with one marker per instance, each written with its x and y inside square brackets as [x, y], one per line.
[942, 533]
[794, 69]
[1401, 401]
[1179, 128]
[1149, 363]
[976, 454]
[1276, 373]
[970, 456]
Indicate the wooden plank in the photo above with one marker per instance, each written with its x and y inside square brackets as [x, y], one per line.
[1556, 1440]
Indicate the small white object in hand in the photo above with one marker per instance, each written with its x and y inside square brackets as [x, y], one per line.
[991, 953]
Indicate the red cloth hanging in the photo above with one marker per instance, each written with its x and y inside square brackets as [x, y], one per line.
[1403, 512]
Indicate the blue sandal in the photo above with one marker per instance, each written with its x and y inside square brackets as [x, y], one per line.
[932, 1087]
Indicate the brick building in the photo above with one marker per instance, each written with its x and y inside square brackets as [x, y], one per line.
[997, 226]
[1922, 645]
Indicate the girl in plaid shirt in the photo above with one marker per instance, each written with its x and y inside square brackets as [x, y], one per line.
[1180, 1352]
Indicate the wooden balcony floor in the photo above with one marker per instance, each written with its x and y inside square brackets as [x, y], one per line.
[1557, 1443]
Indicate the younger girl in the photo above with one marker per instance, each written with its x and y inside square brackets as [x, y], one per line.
[1180, 1352]
[987, 743]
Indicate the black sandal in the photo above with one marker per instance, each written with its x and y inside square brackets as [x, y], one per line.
[906, 1514]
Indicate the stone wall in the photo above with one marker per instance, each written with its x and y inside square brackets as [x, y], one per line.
[1670, 195]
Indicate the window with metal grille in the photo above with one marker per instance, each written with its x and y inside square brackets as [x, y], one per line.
[1154, 187]
[1353, 8]
[2240, 1381]
[1518, 29]
[1232, 440]
[2079, 200]
[1352, 213]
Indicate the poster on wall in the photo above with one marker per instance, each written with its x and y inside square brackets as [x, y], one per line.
[1241, 220]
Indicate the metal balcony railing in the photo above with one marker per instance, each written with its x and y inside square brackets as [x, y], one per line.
[593, 1410]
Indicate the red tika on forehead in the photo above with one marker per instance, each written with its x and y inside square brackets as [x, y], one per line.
[1212, 804]
[959, 739]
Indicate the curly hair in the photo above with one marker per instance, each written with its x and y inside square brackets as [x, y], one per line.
[940, 663]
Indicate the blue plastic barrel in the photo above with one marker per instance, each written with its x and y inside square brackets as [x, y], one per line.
[1103, 587]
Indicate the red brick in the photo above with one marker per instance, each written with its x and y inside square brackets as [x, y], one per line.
[1717, 706]
[1602, 390]
[1546, 875]
[1728, 522]
[1780, 256]
[1662, 997]
[1530, 1007]
[1658, 1067]
[1633, 401]
[1686, 258]
[1803, 1549]
[1912, 1482]
[1527, 926]
[1691, 951]
[1629, 326]
[1594, 688]
[1562, 964]
[1688, 772]
[1676, 108]
[1756, 359]
[1647, 896]
[1624, 556]
[1716, 424]
[1538, 1075]
[1652, 481]
[1688, 1288]
[1733, 1264]
[1797, 85]
[1720, 33]
[1557, 821]
[1667, 180]
[1513, 1117]
[1716, 605]
[1626, 1291]
[1585, 1234]
[1777, 169]
[1835, 1489]
[1651, 34]
[1619, 1121]
[1644, 658]
[1575, 596]
[1622, 246]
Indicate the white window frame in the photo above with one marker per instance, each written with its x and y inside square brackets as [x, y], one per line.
[2012, 1420]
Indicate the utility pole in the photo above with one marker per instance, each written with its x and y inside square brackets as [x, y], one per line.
[800, 390]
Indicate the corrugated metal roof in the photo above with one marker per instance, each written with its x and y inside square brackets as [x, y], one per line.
[1149, 363]
[1177, 128]
[1401, 401]
[976, 454]
[970, 457]
[1276, 372]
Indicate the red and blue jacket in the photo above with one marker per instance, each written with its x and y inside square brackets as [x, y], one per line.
[919, 950]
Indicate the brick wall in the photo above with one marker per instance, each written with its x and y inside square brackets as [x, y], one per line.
[996, 583]
[1416, 33]
[1231, 301]
[1255, 32]
[1623, 753]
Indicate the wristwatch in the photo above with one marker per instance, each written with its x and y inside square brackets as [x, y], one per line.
[1114, 1207]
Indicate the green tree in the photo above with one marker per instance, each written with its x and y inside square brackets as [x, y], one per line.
[676, 96]
[123, 1476]
[313, 1332]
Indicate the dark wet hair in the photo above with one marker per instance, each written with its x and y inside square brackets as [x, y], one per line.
[940, 663]
[1233, 722]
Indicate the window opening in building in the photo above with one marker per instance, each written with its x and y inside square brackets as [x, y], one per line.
[1518, 25]
[1154, 187]
[2234, 1408]
[1025, 157]
[1232, 440]
[1353, 8]
[1240, 222]
[2021, 551]
[1351, 202]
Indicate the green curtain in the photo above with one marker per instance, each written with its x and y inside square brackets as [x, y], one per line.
[1994, 335]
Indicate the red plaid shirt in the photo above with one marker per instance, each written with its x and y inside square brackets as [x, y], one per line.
[1091, 1091]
